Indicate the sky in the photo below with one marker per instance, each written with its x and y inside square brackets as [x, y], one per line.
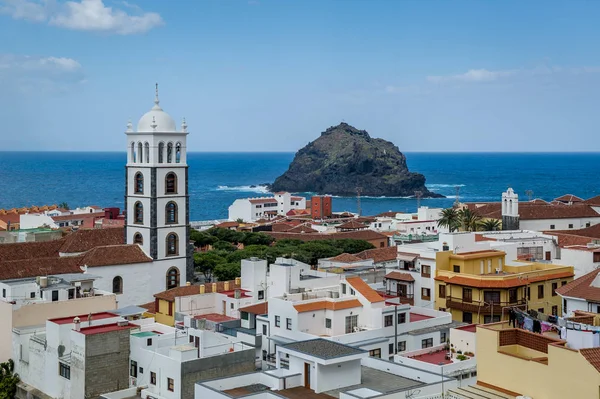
[271, 75]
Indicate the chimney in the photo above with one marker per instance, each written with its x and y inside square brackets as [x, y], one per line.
[226, 286]
[76, 321]
[214, 287]
[202, 289]
[238, 281]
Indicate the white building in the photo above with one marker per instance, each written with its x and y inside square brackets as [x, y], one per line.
[251, 209]
[581, 294]
[585, 258]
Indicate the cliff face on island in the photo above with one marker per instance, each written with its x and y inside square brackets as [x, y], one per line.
[345, 158]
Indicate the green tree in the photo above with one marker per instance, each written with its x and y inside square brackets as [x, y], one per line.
[257, 239]
[8, 380]
[312, 251]
[227, 271]
[224, 246]
[450, 219]
[469, 219]
[490, 225]
[202, 238]
[206, 262]
[352, 246]
[64, 205]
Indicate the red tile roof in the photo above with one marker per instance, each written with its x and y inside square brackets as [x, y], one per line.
[345, 258]
[582, 288]
[227, 225]
[379, 254]
[369, 293]
[257, 308]
[389, 214]
[111, 255]
[327, 305]
[400, 276]
[568, 198]
[536, 211]
[30, 250]
[25, 268]
[187, 290]
[594, 201]
[150, 307]
[592, 355]
[86, 239]
[303, 228]
[352, 225]
[263, 201]
[366, 235]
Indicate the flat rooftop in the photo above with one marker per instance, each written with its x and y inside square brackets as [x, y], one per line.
[438, 357]
[84, 318]
[106, 328]
[418, 317]
[379, 381]
[323, 349]
[216, 317]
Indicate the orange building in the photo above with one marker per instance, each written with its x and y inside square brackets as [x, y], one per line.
[320, 207]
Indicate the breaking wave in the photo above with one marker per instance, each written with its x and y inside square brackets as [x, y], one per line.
[245, 189]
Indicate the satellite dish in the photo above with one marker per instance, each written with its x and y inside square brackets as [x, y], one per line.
[61, 350]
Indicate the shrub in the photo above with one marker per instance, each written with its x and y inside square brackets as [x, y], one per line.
[461, 357]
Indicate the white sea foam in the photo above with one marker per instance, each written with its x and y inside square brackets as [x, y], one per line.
[434, 186]
[245, 189]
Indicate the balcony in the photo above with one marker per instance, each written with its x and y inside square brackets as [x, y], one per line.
[483, 308]
[404, 298]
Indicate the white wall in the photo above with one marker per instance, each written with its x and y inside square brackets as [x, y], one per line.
[5, 331]
[559, 224]
[335, 376]
[35, 220]
[582, 261]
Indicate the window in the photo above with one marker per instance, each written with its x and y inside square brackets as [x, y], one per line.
[245, 316]
[3, 292]
[442, 291]
[588, 224]
[442, 338]
[596, 257]
[564, 306]
[171, 213]
[401, 318]
[343, 288]
[172, 244]
[401, 346]
[563, 283]
[288, 323]
[327, 323]
[467, 317]
[117, 285]
[491, 297]
[554, 287]
[141, 370]
[178, 153]
[138, 215]
[277, 321]
[161, 150]
[32, 295]
[264, 355]
[139, 183]
[170, 384]
[375, 353]
[555, 310]
[54, 296]
[172, 278]
[133, 371]
[147, 152]
[552, 227]
[264, 328]
[261, 295]
[425, 271]
[467, 295]
[425, 293]
[352, 292]
[231, 305]
[527, 292]
[133, 152]
[64, 370]
[138, 239]
[171, 183]
[570, 225]
[540, 310]
[351, 323]
[456, 269]
[540, 291]
[512, 295]
[140, 153]
[427, 343]
[391, 349]
[490, 319]
[152, 378]
[388, 320]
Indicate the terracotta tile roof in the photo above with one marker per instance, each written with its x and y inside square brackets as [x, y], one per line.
[150, 307]
[369, 293]
[110, 255]
[187, 290]
[11, 217]
[591, 232]
[568, 198]
[582, 288]
[85, 239]
[400, 276]
[352, 225]
[296, 198]
[538, 201]
[298, 212]
[327, 305]
[281, 227]
[365, 235]
[592, 355]
[40, 267]
[303, 228]
[345, 258]
[536, 211]
[78, 216]
[389, 214]
[509, 282]
[257, 308]
[30, 250]
[481, 237]
[594, 201]
[263, 200]
[227, 225]
[380, 254]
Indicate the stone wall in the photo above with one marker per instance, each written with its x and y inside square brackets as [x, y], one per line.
[106, 362]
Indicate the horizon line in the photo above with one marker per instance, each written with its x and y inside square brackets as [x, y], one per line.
[293, 152]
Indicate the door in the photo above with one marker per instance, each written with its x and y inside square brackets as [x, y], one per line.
[307, 375]
[548, 255]
[402, 290]
[224, 308]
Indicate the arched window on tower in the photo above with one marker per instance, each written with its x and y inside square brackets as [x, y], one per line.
[117, 285]
[140, 153]
[170, 153]
[139, 183]
[178, 153]
[172, 278]
[139, 213]
[138, 239]
[172, 241]
[171, 213]
[147, 152]
[161, 152]
[171, 183]
[133, 152]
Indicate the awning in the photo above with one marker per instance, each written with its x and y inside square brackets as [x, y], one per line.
[407, 257]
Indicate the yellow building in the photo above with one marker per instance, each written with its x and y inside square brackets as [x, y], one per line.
[479, 287]
[518, 362]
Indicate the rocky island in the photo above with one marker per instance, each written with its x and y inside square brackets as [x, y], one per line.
[345, 158]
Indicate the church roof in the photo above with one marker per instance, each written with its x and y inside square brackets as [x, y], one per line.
[85, 239]
[111, 255]
[156, 120]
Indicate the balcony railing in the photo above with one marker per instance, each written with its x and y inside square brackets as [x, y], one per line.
[481, 307]
[404, 298]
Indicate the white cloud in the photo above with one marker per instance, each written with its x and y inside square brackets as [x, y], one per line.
[83, 15]
[31, 73]
[473, 75]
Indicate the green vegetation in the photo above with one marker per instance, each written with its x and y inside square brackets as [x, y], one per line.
[223, 261]
[8, 380]
[64, 205]
[466, 220]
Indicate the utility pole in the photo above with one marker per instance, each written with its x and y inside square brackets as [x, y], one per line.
[418, 195]
[529, 194]
[358, 191]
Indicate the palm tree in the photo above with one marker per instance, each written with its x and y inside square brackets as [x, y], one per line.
[490, 225]
[64, 205]
[469, 219]
[449, 219]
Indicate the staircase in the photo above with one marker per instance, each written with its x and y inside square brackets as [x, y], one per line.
[476, 392]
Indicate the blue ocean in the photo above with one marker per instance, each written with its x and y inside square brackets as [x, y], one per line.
[217, 179]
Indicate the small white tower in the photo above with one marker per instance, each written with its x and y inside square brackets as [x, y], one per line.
[510, 210]
[156, 198]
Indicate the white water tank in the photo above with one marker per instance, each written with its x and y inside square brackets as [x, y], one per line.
[43, 282]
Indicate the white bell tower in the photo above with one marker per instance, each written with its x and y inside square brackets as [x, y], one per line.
[156, 196]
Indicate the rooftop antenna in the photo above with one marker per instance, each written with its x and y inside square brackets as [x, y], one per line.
[418, 195]
[457, 201]
[529, 194]
[358, 191]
